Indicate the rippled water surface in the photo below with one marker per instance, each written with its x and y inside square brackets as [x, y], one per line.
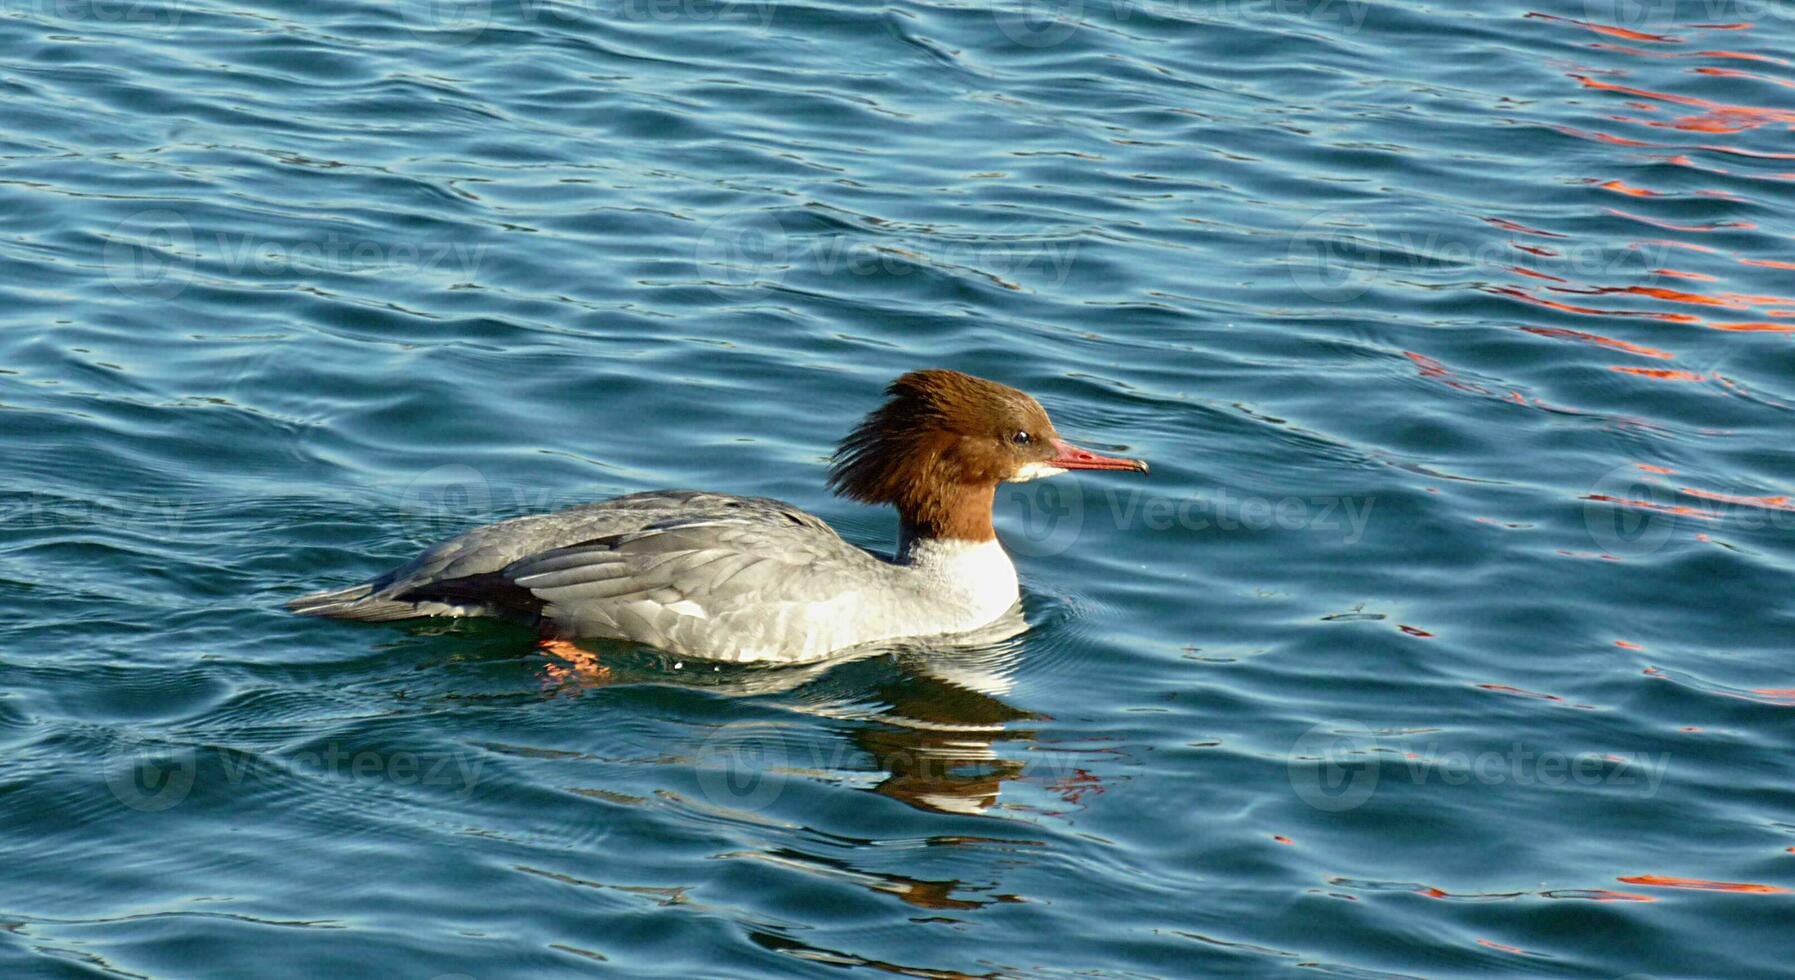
[1449, 637]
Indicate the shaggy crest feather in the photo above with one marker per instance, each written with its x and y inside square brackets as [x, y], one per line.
[938, 448]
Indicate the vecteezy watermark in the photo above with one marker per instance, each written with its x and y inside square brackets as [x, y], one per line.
[1337, 256]
[743, 249]
[151, 253]
[137, 13]
[1331, 766]
[1628, 514]
[43, 510]
[441, 500]
[1005, 259]
[1338, 766]
[1632, 511]
[1334, 257]
[156, 252]
[754, 248]
[1520, 766]
[150, 775]
[1038, 23]
[747, 766]
[1051, 514]
[1044, 23]
[153, 775]
[1659, 16]
[447, 499]
[446, 22]
[457, 22]
[669, 11]
[742, 766]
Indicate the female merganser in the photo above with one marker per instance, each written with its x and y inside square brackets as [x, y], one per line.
[742, 579]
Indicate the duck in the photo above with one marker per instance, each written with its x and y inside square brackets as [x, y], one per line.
[741, 579]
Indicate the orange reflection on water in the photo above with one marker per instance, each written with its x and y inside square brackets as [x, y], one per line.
[1597, 339]
[1758, 327]
[1504, 947]
[1780, 697]
[1625, 301]
[1736, 73]
[1508, 225]
[1659, 292]
[1608, 29]
[1673, 243]
[1520, 692]
[1717, 117]
[1527, 296]
[1678, 509]
[1699, 884]
[1709, 53]
[1601, 137]
[1754, 154]
[1668, 226]
[1663, 374]
[1778, 502]
[1740, 55]
[1602, 895]
[1430, 368]
[1725, 300]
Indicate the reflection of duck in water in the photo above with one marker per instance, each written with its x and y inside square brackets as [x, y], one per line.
[927, 713]
[747, 579]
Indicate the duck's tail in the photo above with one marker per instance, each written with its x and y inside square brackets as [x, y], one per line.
[358, 602]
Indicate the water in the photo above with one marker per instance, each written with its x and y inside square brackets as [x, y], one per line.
[1449, 636]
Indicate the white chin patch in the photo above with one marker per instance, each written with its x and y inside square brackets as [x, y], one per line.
[1033, 471]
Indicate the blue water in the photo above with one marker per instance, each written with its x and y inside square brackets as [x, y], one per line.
[1449, 637]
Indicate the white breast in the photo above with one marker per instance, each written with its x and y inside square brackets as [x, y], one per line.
[972, 581]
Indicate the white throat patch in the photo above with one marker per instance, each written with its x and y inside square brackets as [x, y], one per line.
[1034, 471]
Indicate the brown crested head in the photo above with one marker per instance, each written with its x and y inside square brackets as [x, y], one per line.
[938, 448]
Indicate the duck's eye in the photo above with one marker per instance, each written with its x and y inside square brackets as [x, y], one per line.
[1020, 438]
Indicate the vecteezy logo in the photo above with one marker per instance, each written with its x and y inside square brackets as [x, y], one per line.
[449, 22]
[742, 249]
[1333, 766]
[1628, 514]
[149, 776]
[1039, 23]
[150, 253]
[1049, 515]
[1333, 258]
[447, 498]
[741, 766]
[1653, 15]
